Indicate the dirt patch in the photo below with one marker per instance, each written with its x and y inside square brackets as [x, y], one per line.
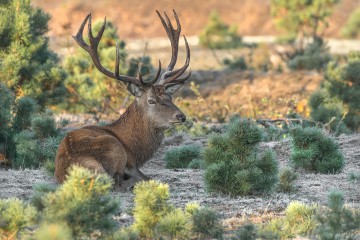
[186, 185]
[136, 18]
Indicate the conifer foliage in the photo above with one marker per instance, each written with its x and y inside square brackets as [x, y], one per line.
[299, 220]
[313, 151]
[338, 101]
[15, 216]
[218, 35]
[28, 137]
[155, 216]
[187, 156]
[28, 67]
[305, 19]
[338, 221]
[233, 165]
[83, 203]
[352, 26]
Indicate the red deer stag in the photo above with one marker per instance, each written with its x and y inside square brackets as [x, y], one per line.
[120, 148]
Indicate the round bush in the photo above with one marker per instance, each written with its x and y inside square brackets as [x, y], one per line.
[233, 165]
[314, 151]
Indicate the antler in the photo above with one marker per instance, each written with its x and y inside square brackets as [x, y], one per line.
[172, 76]
[93, 51]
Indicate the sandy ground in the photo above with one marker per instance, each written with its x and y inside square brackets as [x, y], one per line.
[186, 185]
[138, 19]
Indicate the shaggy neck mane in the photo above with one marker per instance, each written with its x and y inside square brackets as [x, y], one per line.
[139, 135]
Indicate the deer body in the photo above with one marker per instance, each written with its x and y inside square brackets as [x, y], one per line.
[122, 147]
[127, 143]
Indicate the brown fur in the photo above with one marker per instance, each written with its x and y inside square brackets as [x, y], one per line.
[124, 145]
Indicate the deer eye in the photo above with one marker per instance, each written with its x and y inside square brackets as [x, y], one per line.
[151, 101]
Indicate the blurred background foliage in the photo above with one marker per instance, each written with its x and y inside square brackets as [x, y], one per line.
[28, 67]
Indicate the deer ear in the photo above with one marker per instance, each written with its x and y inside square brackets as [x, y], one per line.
[135, 90]
[172, 88]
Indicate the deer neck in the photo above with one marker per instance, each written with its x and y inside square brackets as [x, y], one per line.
[140, 136]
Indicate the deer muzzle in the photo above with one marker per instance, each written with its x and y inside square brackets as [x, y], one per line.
[180, 117]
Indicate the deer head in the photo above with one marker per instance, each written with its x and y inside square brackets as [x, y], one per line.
[154, 96]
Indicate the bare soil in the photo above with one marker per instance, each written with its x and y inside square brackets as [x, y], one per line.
[186, 185]
[136, 18]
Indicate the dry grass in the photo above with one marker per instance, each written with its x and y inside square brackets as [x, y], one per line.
[187, 185]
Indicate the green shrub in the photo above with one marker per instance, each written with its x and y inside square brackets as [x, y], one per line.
[315, 56]
[287, 177]
[313, 151]
[302, 18]
[352, 25]
[53, 231]
[275, 133]
[39, 191]
[154, 216]
[246, 231]
[196, 163]
[236, 64]
[83, 203]
[29, 137]
[15, 216]
[250, 231]
[147, 68]
[327, 110]
[206, 224]
[192, 128]
[151, 204]
[337, 222]
[44, 125]
[299, 220]
[181, 157]
[125, 234]
[343, 82]
[233, 165]
[38, 145]
[25, 108]
[340, 95]
[218, 35]
[354, 177]
[28, 67]
[175, 225]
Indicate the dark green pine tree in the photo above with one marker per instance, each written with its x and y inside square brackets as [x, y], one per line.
[343, 82]
[337, 103]
[27, 66]
[233, 163]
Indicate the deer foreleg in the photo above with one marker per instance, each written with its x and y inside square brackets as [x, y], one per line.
[134, 175]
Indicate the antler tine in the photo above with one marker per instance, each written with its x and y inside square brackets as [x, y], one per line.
[93, 52]
[157, 74]
[173, 36]
[153, 80]
[117, 60]
[179, 80]
[79, 35]
[172, 76]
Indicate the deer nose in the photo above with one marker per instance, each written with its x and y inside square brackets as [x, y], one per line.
[181, 117]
